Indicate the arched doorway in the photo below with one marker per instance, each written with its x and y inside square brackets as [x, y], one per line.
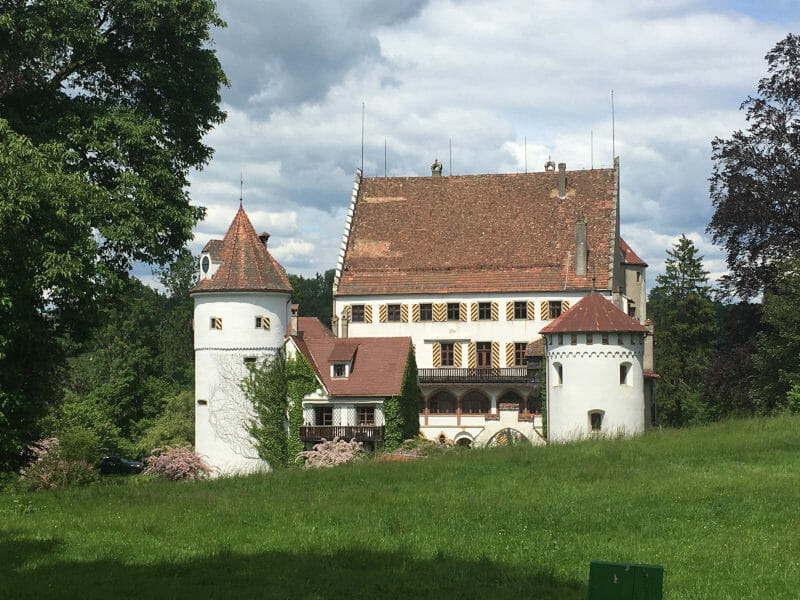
[507, 437]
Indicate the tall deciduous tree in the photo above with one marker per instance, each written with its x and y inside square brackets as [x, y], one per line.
[681, 308]
[755, 184]
[103, 105]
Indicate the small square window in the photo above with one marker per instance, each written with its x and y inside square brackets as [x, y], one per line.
[393, 312]
[560, 339]
[484, 311]
[589, 339]
[596, 420]
[365, 416]
[453, 311]
[339, 370]
[605, 339]
[323, 415]
[520, 309]
[426, 312]
[250, 360]
[446, 354]
[519, 354]
[554, 309]
[216, 322]
[357, 313]
[262, 322]
[573, 339]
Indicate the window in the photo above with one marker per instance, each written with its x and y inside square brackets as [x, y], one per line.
[262, 322]
[519, 354]
[475, 403]
[589, 339]
[365, 416]
[631, 308]
[442, 403]
[625, 374]
[638, 275]
[573, 339]
[216, 322]
[604, 339]
[560, 339]
[596, 420]
[484, 354]
[484, 311]
[426, 312]
[393, 312]
[250, 360]
[339, 370]
[520, 309]
[447, 354]
[357, 313]
[453, 311]
[553, 309]
[558, 373]
[323, 415]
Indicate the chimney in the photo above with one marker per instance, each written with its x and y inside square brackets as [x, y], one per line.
[562, 180]
[436, 168]
[345, 323]
[335, 325]
[293, 330]
[264, 237]
[580, 248]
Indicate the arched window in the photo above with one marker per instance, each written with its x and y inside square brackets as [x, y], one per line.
[474, 403]
[511, 397]
[442, 403]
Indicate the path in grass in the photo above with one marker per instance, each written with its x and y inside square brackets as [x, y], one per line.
[717, 506]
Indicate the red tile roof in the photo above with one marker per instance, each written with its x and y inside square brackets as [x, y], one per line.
[214, 249]
[629, 257]
[246, 263]
[378, 364]
[594, 313]
[473, 233]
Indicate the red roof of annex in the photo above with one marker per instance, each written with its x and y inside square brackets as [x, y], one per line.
[594, 313]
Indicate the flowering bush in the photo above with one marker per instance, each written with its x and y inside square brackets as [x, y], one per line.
[176, 464]
[331, 454]
[50, 469]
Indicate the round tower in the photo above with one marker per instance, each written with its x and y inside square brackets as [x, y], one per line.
[595, 380]
[242, 305]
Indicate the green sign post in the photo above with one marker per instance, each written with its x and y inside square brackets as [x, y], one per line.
[625, 581]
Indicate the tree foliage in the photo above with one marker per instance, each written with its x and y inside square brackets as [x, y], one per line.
[266, 387]
[103, 106]
[401, 412]
[314, 295]
[685, 324]
[755, 184]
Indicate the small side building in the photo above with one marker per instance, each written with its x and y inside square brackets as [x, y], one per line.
[595, 372]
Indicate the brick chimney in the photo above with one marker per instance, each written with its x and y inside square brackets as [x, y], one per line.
[293, 330]
[436, 168]
[580, 248]
[562, 180]
[264, 237]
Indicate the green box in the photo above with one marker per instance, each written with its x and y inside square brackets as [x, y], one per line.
[625, 581]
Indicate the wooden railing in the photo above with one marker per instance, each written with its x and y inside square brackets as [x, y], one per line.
[480, 375]
[361, 433]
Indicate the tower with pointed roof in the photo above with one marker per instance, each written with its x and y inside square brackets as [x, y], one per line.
[242, 307]
[595, 372]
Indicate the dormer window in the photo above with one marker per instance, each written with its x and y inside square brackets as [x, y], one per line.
[340, 369]
[205, 265]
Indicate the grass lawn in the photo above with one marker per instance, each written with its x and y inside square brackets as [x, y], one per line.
[718, 507]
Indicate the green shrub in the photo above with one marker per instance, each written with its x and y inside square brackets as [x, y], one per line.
[51, 467]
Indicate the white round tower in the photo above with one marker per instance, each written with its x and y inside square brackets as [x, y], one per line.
[595, 381]
[242, 305]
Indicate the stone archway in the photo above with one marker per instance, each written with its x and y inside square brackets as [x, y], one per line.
[507, 437]
[442, 403]
[474, 402]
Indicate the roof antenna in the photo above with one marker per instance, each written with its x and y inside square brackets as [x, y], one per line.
[451, 156]
[613, 147]
[241, 187]
[526, 154]
[362, 136]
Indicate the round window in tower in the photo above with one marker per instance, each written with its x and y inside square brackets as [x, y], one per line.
[204, 265]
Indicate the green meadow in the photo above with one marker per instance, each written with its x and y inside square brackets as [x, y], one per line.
[717, 506]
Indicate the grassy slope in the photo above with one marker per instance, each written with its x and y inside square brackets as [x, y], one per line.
[716, 506]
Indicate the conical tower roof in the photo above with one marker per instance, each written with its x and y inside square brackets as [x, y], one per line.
[594, 314]
[247, 265]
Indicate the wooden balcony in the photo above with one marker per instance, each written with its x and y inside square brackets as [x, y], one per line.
[518, 375]
[361, 433]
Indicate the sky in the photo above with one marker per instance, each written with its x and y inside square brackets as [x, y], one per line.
[492, 79]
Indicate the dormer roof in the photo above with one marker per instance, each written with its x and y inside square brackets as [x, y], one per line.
[246, 265]
[593, 314]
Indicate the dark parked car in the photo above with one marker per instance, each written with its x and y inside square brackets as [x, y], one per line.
[116, 465]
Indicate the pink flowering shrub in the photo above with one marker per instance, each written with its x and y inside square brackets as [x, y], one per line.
[331, 454]
[176, 464]
[50, 469]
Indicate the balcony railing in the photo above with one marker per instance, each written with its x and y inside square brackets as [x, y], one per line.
[480, 375]
[361, 433]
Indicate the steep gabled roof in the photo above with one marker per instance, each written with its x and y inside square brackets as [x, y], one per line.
[378, 363]
[629, 257]
[594, 314]
[246, 263]
[474, 233]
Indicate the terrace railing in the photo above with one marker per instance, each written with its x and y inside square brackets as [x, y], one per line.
[519, 375]
[361, 433]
